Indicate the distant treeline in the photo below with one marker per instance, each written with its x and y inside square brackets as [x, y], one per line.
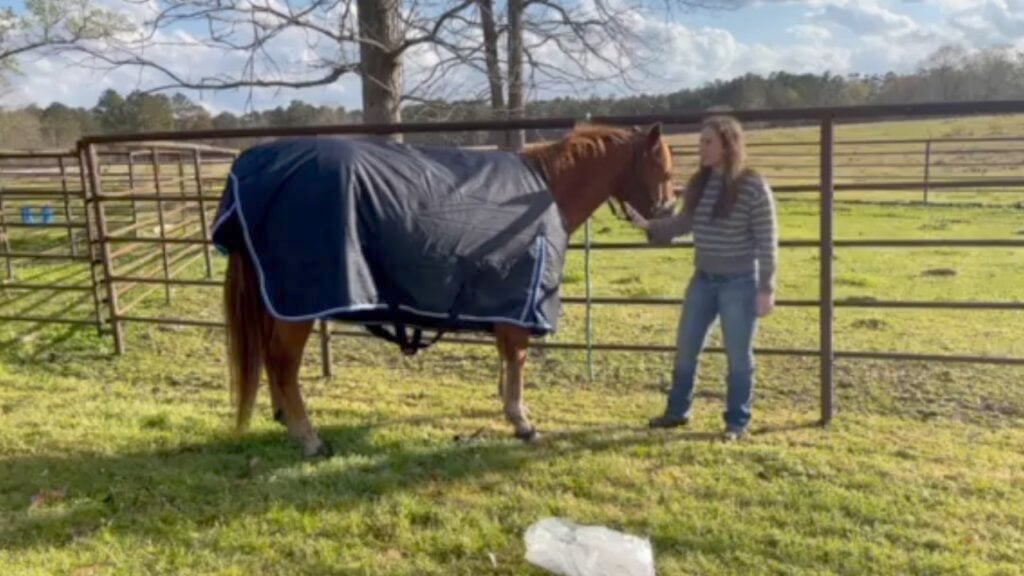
[950, 74]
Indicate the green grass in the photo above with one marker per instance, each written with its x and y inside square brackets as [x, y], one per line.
[135, 471]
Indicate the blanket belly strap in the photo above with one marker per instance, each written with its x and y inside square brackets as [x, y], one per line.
[400, 337]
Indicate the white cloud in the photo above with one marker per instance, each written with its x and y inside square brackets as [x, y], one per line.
[811, 33]
[693, 56]
[991, 21]
[957, 5]
[864, 17]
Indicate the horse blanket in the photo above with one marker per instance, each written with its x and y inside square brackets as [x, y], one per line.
[382, 233]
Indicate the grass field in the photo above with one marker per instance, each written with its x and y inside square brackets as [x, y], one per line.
[126, 465]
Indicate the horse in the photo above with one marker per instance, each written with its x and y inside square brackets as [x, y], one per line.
[578, 173]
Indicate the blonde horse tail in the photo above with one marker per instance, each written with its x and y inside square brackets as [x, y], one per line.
[248, 327]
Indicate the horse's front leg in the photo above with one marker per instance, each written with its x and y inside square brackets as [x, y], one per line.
[513, 344]
[500, 342]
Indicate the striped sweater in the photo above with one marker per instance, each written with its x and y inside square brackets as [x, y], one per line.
[746, 240]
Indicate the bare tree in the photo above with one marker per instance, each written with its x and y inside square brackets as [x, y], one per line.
[381, 62]
[51, 25]
[941, 68]
[402, 50]
[524, 46]
[288, 44]
[21, 129]
[491, 55]
[994, 74]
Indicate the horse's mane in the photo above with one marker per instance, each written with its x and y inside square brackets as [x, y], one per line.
[585, 141]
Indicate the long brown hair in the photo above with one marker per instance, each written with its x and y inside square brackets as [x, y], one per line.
[730, 132]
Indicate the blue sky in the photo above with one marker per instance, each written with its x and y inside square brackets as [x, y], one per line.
[760, 36]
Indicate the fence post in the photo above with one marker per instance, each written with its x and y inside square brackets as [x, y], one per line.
[67, 204]
[825, 252]
[927, 168]
[183, 209]
[91, 242]
[133, 192]
[155, 161]
[4, 240]
[101, 227]
[588, 322]
[198, 165]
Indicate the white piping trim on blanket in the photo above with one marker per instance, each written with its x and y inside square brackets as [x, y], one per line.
[236, 207]
[408, 308]
[223, 217]
[535, 280]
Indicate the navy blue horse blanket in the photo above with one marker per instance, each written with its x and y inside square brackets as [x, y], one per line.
[382, 233]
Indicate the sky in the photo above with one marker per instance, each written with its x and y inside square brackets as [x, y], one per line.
[753, 36]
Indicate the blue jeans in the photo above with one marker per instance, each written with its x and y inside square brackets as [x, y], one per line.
[732, 298]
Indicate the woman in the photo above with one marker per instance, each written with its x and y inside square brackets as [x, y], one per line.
[730, 211]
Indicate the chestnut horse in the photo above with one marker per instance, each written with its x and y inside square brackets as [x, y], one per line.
[586, 168]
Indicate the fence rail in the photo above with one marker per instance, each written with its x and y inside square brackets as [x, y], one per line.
[50, 198]
[859, 164]
[147, 211]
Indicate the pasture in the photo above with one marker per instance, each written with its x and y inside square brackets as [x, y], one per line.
[125, 465]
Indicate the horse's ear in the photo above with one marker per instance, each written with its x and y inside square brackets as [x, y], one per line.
[653, 143]
[654, 136]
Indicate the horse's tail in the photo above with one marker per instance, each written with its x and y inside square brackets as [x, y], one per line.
[248, 329]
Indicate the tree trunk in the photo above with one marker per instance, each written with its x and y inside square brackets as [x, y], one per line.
[497, 86]
[516, 108]
[381, 65]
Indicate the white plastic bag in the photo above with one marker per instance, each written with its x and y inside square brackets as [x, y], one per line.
[570, 549]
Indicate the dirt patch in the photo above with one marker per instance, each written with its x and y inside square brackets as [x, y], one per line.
[939, 272]
[1001, 408]
[632, 279]
[870, 324]
[859, 299]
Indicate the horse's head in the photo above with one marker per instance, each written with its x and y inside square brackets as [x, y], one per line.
[647, 184]
[597, 164]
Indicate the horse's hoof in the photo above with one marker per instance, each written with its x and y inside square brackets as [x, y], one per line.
[325, 450]
[530, 436]
[279, 417]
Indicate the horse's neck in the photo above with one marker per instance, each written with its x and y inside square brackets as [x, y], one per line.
[580, 189]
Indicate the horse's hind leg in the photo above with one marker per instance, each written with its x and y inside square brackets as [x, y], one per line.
[284, 359]
[514, 343]
[277, 404]
[276, 399]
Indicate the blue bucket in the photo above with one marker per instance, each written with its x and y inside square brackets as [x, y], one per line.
[26, 215]
[47, 215]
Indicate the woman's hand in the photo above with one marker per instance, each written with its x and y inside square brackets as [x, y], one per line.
[635, 218]
[765, 303]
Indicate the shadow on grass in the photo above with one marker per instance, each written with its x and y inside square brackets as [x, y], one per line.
[35, 344]
[165, 494]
